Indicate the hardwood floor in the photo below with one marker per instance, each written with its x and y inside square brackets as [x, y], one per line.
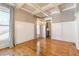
[48, 48]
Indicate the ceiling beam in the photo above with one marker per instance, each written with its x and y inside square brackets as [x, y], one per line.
[38, 10]
[47, 7]
[19, 5]
[26, 10]
[51, 5]
[42, 9]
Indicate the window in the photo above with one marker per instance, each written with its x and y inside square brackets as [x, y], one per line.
[4, 23]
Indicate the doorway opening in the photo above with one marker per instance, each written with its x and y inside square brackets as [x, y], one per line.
[48, 29]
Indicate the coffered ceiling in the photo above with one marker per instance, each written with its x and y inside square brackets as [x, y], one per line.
[44, 9]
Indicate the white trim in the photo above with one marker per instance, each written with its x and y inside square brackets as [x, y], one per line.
[48, 18]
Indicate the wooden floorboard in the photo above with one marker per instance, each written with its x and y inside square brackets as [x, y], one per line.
[47, 47]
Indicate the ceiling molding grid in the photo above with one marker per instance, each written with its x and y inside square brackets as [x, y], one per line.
[44, 9]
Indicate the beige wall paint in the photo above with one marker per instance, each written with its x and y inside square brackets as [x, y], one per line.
[64, 16]
[21, 15]
[24, 26]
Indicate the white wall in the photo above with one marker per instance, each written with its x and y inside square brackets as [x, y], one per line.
[24, 26]
[56, 31]
[64, 31]
[24, 31]
[64, 26]
[67, 31]
[77, 26]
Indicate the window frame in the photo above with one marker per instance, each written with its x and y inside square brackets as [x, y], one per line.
[11, 23]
